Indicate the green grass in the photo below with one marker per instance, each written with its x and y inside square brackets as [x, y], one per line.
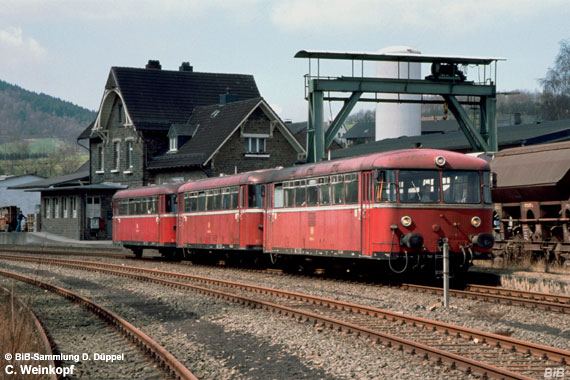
[42, 145]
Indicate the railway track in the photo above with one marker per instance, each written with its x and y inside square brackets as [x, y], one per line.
[155, 352]
[482, 353]
[544, 301]
[28, 329]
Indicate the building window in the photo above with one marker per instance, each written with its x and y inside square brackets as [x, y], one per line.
[47, 207]
[116, 154]
[101, 167]
[64, 207]
[129, 154]
[93, 209]
[73, 207]
[173, 146]
[56, 207]
[255, 144]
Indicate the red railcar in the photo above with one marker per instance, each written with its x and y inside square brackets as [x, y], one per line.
[394, 206]
[223, 212]
[146, 217]
[399, 207]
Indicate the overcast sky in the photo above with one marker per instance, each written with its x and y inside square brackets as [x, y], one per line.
[65, 48]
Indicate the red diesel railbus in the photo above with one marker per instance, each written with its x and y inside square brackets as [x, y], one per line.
[396, 207]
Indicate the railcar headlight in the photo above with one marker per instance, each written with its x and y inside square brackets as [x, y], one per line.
[476, 222]
[440, 161]
[406, 221]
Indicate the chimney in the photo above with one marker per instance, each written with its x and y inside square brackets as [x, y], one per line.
[186, 67]
[153, 65]
[227, 97]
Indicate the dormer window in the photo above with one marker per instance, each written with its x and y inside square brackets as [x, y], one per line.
[173, 146]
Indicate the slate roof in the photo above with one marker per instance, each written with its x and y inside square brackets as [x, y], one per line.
[361, 130]
[212, 128]
[65, 180]
[515, 135]
[156, 99]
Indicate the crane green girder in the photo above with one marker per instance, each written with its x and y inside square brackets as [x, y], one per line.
[482, 135]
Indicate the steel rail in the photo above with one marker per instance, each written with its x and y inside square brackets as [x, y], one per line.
[155, 350]
[467, 364]
[41, 333]
[558, 298]
[551, 353]
[508, 297]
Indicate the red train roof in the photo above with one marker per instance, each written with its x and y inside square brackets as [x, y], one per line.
[398, 159]
[254, 177]
[146, 191]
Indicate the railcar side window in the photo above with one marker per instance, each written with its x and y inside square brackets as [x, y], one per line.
[312, 192]
[187, 202]
[235, 197]
[123, 206]
[487, 187]
[461, 187]
[337, 189]
[419, 186]
[324, 191]
[226, 199]
[278, 196]
[289, 193]
[212, 200]
[300, 194]
[351, 182]
[201, 201]
[385, 186]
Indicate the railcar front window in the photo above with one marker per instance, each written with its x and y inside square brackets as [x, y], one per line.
[419, 186]
[461, 187]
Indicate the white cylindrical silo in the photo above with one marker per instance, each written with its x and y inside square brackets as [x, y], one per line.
[398, 119]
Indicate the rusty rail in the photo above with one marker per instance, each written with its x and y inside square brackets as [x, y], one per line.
[469, 365]
[155, 350]
[38, 327]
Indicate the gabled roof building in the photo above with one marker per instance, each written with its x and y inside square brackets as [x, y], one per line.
[158, 126]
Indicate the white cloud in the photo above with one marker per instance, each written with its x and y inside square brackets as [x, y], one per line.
[334, 16]
[14, 46]
[125, 10]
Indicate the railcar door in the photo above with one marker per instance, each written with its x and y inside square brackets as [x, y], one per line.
[366, 197]
[242, 216]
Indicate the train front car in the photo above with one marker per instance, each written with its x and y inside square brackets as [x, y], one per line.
[417, 200]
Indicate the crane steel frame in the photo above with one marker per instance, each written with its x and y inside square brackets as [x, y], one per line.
[482, 137]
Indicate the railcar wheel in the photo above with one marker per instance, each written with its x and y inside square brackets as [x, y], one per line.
[137, 251]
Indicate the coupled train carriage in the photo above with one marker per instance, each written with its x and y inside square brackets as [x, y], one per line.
[396, 208]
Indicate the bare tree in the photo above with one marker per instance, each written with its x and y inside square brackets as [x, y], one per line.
[556, 86]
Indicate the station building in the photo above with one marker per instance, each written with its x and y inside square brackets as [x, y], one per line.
[158, 126]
